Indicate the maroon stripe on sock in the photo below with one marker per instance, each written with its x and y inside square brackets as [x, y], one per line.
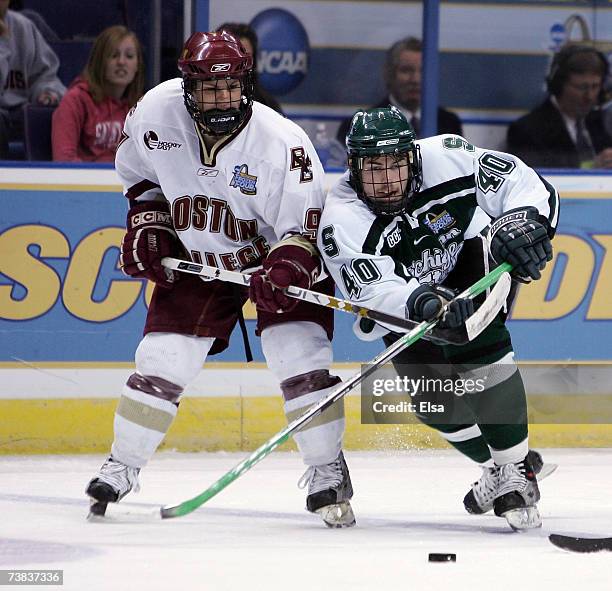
[305, 383]
[155, 386]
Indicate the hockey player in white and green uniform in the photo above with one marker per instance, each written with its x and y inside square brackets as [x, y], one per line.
[407, 226]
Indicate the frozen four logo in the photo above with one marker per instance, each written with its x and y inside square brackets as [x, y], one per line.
[243, 180]
[436, 223]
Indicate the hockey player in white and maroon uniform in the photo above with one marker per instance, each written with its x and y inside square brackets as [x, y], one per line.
[410, 224]
[214, 177]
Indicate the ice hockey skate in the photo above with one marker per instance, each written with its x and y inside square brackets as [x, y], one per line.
[517, 495]
[480, 497]
[113, 481]
[329, 492]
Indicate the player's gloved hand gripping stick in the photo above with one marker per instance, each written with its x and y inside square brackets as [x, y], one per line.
[336, 394]
[472, 327]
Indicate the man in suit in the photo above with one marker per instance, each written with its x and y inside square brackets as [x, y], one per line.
[402, 75]
[567, 129]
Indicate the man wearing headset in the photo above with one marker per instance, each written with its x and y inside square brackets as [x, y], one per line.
[566, 130]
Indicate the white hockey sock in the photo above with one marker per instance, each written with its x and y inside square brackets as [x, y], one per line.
[320, 441]
[141, 423]
[512, 455]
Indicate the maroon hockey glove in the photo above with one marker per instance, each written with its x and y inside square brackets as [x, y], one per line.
[150, 237]
[426, 301]
[520, 237]
[285, 266]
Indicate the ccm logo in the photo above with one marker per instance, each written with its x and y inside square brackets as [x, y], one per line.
[220, 67]
[150, 217]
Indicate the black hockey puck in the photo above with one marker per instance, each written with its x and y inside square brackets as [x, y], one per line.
[442, 558]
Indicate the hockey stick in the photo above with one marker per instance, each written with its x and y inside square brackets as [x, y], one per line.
[581, 544]
[474, 325]
[304, 295]
[336, 394]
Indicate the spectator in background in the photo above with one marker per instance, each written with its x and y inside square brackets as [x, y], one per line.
[402, 75]
[567, 129]
[28, 73]
[41, 24]
[88, 123]
[248, 38]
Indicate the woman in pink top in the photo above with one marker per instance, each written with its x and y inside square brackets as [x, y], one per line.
[88, 122]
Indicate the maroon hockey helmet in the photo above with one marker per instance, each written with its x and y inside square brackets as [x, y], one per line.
[216, 56]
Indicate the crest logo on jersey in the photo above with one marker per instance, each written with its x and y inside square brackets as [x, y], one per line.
[152, 142]
[437, 223]
[300, 160]
[243, 180]
[207, 172]
[219, 68]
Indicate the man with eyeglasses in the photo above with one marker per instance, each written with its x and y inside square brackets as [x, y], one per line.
[567, 130]
[402, 75]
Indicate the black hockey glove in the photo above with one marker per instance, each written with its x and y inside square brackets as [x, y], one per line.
[426, 302]
[521, 239]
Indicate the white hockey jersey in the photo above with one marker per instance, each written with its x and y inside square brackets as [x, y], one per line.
[379, 261]
[229, 205]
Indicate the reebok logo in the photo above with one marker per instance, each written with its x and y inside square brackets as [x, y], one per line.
[387, 142]
[207, 172]
[220, 68]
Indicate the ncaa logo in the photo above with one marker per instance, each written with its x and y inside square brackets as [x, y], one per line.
[151, 140]
[284, 50]
[220, 68]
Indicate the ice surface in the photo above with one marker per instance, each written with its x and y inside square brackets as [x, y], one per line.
[256, 534]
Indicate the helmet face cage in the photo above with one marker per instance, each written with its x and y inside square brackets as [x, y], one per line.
[387, 181]
[218, 81]
[203, 106]
[384, 162]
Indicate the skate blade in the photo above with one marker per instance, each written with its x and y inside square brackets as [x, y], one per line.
[546, 471]
[97, 510]
[523, 518]
[337, 515]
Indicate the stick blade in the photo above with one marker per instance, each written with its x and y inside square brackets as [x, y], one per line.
[580, 544]
[478, 321]
[169, 511]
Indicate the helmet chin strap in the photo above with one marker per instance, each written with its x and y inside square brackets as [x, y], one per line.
[219, 122]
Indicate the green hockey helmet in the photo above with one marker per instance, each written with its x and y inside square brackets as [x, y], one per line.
[384, 162]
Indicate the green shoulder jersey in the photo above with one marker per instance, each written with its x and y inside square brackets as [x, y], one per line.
[378, 261]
